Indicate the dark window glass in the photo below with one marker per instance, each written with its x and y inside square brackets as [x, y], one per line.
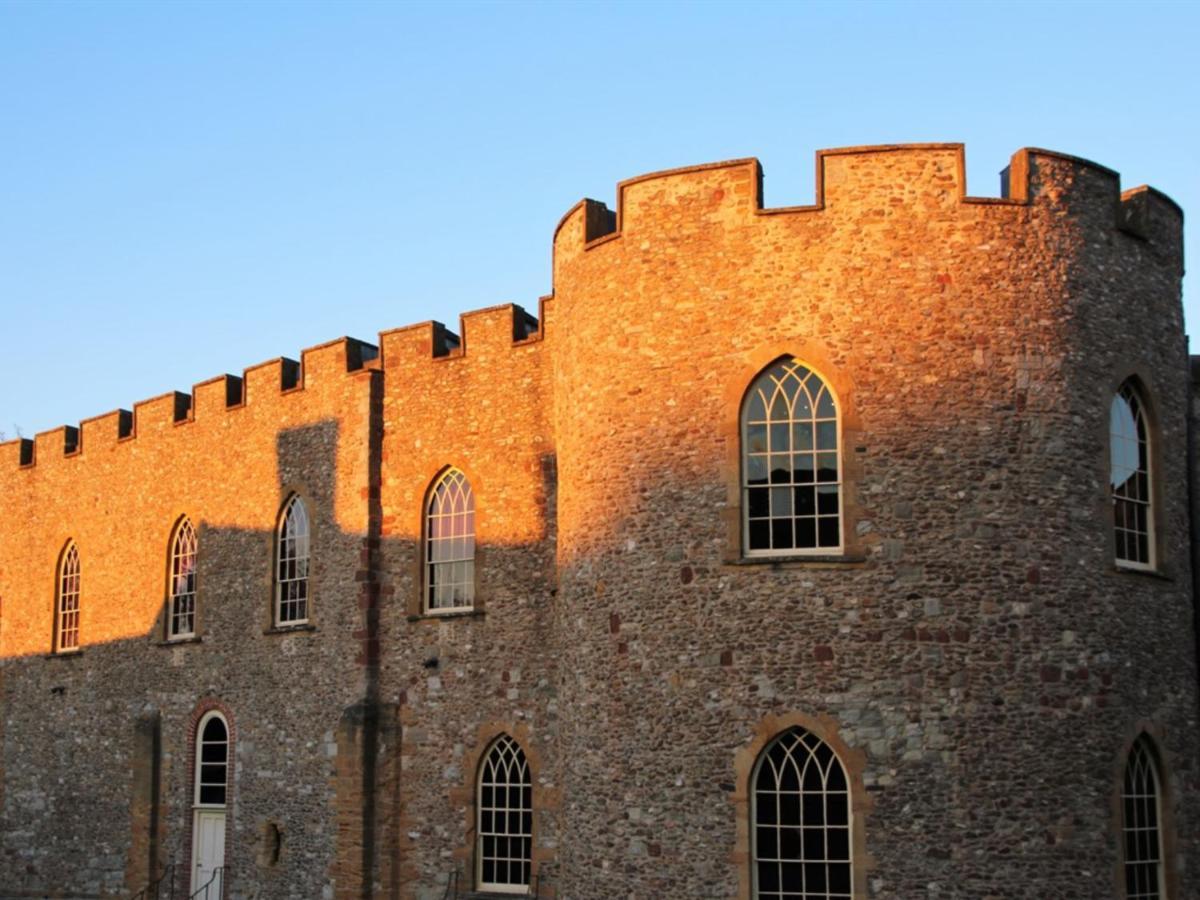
[212, 762]
[505, 816]
[798, 854]
[1140, 806]
[788, 414]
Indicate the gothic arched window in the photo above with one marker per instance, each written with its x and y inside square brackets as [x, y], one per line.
[181, 585]
[1129, 479]
[800, 814]
[791, 470]
[450, 544]
[504, 851]
[66, 607]
[291, 574]
[1141, 815]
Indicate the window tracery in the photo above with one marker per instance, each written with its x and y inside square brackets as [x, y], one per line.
[1130, 479]
[800, 815]
[181, 607]
[450, 544]
[292, 559]
[791, 467]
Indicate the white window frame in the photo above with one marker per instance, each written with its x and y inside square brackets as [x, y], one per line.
[181, 585]
[197, 803]
[1142, 753]
[503, 744]
[293, 548]
[455, 551]
[763, 759]
[745, 451]
[1131, 394]
[69, 588]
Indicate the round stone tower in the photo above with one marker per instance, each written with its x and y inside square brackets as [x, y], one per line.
[966, 643]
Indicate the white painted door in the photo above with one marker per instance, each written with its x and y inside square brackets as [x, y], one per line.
[208, 851]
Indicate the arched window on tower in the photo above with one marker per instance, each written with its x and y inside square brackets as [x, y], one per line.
[791, 467]
[800, 814]
[1141, 817]
[450, 544]
[291, 574]
[1130, 479]
[504, 850]
[66, 612]
[181, 582]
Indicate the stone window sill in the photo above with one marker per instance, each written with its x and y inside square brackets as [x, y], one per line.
[1156, 574]
[439, 617]
[174, 642]
[290, 629]
[64, 654]
[833, 561]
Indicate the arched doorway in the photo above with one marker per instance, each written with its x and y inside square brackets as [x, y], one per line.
[208, 805]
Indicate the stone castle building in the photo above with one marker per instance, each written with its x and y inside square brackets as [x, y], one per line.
[822, 552]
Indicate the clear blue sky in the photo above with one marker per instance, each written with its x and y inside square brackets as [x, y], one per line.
[188, 189]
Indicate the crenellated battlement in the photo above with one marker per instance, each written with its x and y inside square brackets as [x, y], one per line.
[929, 179]
[273, 378]
[482, 332]
[866, 186]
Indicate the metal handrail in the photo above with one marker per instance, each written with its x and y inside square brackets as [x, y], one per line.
[152, 889]
[203, 889]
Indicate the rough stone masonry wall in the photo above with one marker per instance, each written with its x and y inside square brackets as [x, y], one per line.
[973, 655]
[462, 680]
[78, 804]
[974, 651]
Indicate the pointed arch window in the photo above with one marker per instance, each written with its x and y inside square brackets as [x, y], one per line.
[791, 466]
[450, 544]
[1141, 815]
[504, 852]
[292, 556]
[800, 810]
[181, 587]
[1130, 479]
[66, 613]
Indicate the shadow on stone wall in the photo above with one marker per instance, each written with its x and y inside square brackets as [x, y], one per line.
[95, 768]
